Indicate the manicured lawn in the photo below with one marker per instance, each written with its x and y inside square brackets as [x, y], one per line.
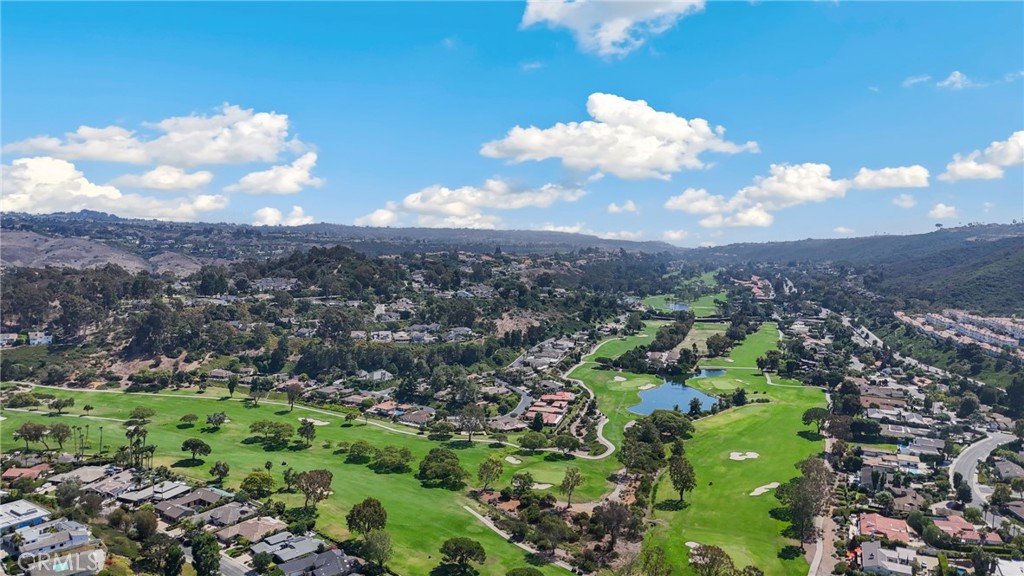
[419, 519]
[700, 332]
[702, 307]
[720, 510]
[746, 353]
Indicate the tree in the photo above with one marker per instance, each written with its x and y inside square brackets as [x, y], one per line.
[144, 523]
[472, 419]
[261, 562]
[611, 518]
[174, 560]
[441, 467]
[817, 415]
[984, 562]
[570, 482]
[196, 447]
[32, 432]
[293, 392]
[367, 516]
[67, 492]
[216, 420]
[188, 419]
[489, 471]
[220, 470]
[522, 483]
[87, 408]
[537, 424]
[695, 408]
[567, 443]
[808, 497]
[710, 561]
[290, 475]
[315, 485]
[683, 477]
[307, 430]
[259, 388]
[1001, 495]
[739, 397]
[963, 493]
[259, 484]
[60, 432]
[142, 414]
[653, 562]
[61, 403]
[462, 551]
[377, 547]
[232, 385]
[206, 555]
[533, 441]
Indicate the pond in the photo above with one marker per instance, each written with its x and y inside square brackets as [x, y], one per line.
[672, 394]
[677, 306]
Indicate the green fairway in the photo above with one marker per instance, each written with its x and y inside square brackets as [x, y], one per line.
[702, 307]
[720, 510]
[746, 353]
[419, 519]
[699, 335]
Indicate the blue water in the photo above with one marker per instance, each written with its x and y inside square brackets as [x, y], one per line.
[677, 306]
[712, 373]
[672, 394]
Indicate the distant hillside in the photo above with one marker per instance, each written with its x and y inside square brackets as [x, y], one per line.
[986, 277]
[870, 249]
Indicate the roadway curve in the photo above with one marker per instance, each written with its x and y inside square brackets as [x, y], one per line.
[966, 463]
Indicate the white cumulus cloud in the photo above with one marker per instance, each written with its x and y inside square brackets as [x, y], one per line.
[987, 165]
[42, 184]
[286, 179]
[957, 80]
[165, 178]
[627, 138]
[610, 28]
[675, 235]
[627, 206]
[905, 201]
[900, 177]
[843, 231]
[697, 201]
[233, 135]
[273, 217]
[942, 211]
[442, 207]
[756, 216]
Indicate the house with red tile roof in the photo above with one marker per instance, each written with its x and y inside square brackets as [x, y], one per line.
[885, 527]
[959, 529]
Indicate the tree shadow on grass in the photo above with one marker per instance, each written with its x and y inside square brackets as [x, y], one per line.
[453, 570]
[185, 425]
[671, 506]
[252, 440]
[282, 412]
[790, 552]
[812, 436]
[780, 513]
[188, 463]
[537, 560]
[458, 444]
[558, 457]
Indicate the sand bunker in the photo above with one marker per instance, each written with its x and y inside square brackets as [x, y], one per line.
[513, 460]
[729, 360]
[314, 421]
[541, 486]
[743, 455]
[691, 545]
[740, 381]
[764, 489]
[619, 379]
[648, 386]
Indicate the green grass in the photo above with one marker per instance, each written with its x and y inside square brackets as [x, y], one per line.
[720, 510]
[700, 332]
[746, 353]
[702, 307]
[419, 519]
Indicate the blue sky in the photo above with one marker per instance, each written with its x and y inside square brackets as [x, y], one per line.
[405, 114]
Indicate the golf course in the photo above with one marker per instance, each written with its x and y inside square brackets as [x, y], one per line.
[722, 514]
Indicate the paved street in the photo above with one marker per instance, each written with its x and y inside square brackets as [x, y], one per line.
[966, 464]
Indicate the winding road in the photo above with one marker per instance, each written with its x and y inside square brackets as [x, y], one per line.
[966, 463]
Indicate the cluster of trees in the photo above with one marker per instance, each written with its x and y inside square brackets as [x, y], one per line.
[670, 335]
[806, 497]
